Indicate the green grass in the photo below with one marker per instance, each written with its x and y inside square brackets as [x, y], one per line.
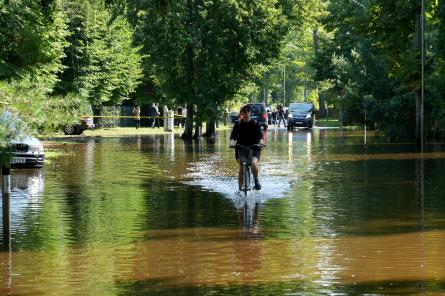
[327, 122]
[128, 131]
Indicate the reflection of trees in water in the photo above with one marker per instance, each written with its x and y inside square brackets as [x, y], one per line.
[193, 146]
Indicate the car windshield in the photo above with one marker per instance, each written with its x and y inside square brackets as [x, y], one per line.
[257, 109]
[300, 107]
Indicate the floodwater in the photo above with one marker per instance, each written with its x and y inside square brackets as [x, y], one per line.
[154, 215]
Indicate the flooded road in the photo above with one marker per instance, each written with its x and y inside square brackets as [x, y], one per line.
[154, 215]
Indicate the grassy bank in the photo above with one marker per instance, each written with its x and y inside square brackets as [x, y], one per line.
[131, 131]
[327, 122]
[128, 131]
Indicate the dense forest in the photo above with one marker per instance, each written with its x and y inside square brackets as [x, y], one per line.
[362, 58]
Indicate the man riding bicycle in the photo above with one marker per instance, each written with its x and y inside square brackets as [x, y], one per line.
[247, 132]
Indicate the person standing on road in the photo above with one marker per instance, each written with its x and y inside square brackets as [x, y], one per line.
[178, 120]
[281, 116]
[247, 132]
[152, 114]
[137, 116]
[157, 119]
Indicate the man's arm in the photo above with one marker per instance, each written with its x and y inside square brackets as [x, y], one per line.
[234, 134]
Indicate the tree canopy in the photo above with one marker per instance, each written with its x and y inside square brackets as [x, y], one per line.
[357, 57]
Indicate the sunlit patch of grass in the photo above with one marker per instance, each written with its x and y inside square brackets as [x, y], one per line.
[130, 131]
[327, 122]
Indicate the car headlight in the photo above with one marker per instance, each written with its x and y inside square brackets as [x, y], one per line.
[308, 115]
[290, 116]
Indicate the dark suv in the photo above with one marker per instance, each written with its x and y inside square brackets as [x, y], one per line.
[86, 122]
[259, 114]
[300, 115]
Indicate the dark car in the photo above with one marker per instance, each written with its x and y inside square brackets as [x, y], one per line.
[300, 115]
[86, 122]
[234, 116]
[259, 114]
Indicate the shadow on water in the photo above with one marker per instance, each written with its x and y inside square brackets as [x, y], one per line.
[153, 287]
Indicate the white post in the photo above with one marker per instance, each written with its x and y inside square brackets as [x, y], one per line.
[170, 120]
[165, 115]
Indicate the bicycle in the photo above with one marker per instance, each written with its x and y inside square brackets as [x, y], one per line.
[245, 154]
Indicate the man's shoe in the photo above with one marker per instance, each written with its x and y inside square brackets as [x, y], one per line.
[257, 185]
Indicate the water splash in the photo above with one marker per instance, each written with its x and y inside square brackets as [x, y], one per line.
[212, 174]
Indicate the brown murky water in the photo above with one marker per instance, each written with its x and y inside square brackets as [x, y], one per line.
[154, 215]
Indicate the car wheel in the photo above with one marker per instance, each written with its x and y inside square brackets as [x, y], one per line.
[69, 129]
[289, 126]
[78, 131]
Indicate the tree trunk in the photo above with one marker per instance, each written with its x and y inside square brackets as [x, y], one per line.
[188, 130]
[321, 100]
[210, 129]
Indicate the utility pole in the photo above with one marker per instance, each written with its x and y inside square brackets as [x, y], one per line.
[284, 85]
[422, 92]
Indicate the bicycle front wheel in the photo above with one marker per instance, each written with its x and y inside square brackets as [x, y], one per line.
[247, 179]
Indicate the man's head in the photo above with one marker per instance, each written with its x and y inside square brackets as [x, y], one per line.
[245, 113]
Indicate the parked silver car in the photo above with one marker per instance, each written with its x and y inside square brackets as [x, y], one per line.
[16, 146]
[26, 152]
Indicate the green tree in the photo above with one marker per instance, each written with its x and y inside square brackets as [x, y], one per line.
[373, 62]
[102, 64]
[32, 42]
[200, 53]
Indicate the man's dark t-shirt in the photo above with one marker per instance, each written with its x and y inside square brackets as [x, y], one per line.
[246, 133]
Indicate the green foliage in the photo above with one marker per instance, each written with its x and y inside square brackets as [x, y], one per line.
[401, 54]
[370, 54]
[396, 114]
[102, 64]
[202, 53]
[293, 67]
[435, 66]
[32, 42]
[42, 113]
